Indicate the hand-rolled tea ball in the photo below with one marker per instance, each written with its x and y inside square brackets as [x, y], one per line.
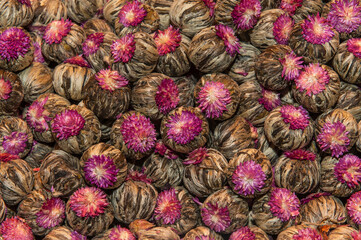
[162, 7]
[107, 94]
[16, 13]
[192, 16]
[134, 135]
[36, 80]
[38, 42]
[249, 173]
[300, 232]
[214, 49]
[275, 211]
[172, 48]
[62, 40]
[344, 233]
[267, 32]
[240, 15]
[255, 102]
[48, 11]
[350, 99]
[81, 10]
[15, 228]
[358, 141]
[40, 113]
[224, 211]
[347, 61]
[266, 147]
[184, 129]
[251, 233]
[103, 166]
[42, 211]
[314, 39]
[336, 132]
[277, 66]
[17, 49]
[234, 135]
[322, 209]
[243, 68]
[134, 17]
[298, 170]
[341, 177]
[317, 88]
[64, 233]
[205, 172]
[96, 25]
[141, 195]
[3, 210]
[164, 167]
[139, 225]
[11, 93]
[114, 233]
[218, 96]
[88, 211]
[15, 136]
[201, 233]
[96, 49]
[16, 179]
[111, 10]
[289, 127]
[37, 153]
[158, 233]
[176, 209]
[301, 10]
[134, 55]
[60, 173]
[75, 129]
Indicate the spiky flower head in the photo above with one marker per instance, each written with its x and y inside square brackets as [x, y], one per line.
[243, 233]
[37, 116]
[67, 123]
[196, 156]
[51, 214]
[284, 204]
[307, 234]
[167, 96]
[300, 154]
[57, 30]
[92, 43]
[292, 65]
[348, 170]
[15, 228]
[229, 38]
[215, 217]
[78, 60]
[246, 13]
[290, 6]
[184, 127]
[123, 49]
[353, 207]
[269, 99]
[163, 150]
[333, 136]
[5, 89]
[354, 46]
[101, 171]
[168, 40]
[14, 42]
[248, 178]
[77, 236]
[317, 30]
[345, 15]
[313, 79]
[282, 28]
[119, 233]
[110, 80]
[138, 133]
[25, 2]
[168, 208]
[7, 157]
[356, 235]
[211, 5]
[15, 143]
[138, 176]
[297, 117]
[88, 202]
[213, 99]
[132, 13]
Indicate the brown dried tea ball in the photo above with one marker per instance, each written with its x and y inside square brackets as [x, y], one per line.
[111, 10]
[350, 99]
[158, 233]
[11, 94]
[233, 135]
[96, 25]
[300, 232]
[81, 10]
[358, 141]
[266, 147]
[48, 11]
[63, 233]
[252, 232]
[16, 13]
[249, 173]
[224, 211]
[60, 173]
[103, 166]
[116, 232]
[344, 233]
[202, 232]
[308, 8]
[162, 7]
[141, 195]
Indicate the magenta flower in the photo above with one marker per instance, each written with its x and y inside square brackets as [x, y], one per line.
[6, 157]
[270, 99]
[167, 96]
[317, 30]
[168, 40]
[210, 4]
[132, 14]
[229, 38]
[313, 79]
[333, 136]
[123, 49]
[307, 233]
[168, 208]
[138, 176]
[348, 170]
[25, 2]
[290, 6]
[119, 233]
[92, 43]
[5, 89]
[243, 233]
[101, 171]
[345, 15]
[77, 236]
[245, 14]
[57, 30]
[292, 66]
[163, 150]
[110, 80]
[297, 117]
[300, 154]
[51, 214]
[284, 204]
[282, 28]
[37, 117]
[356, 235]
[216, 218]
[14, 42]
[196, 156]
[15, 143]
[67, 123]
[353, 207]
[15, 228]
[78, 60]
[354, 46]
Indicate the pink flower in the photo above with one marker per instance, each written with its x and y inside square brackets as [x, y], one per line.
[168, 40]
[345, 15]
[333, 136]
[15, 143]
[353, 207]
[67, 123]
[348, 170]
[110, 80]
[297, 117]
[307, 233]
[92, 43]
[123, 49]
[290, 6]
[282, 28]
[284, 204]
[246, 13]
[51, 214]
[5, 89]
[243, 233]
[230, 40]
[167, 96]
[119, 233]
[168, 207]
[354, 46]
[15, 228]
[292, 66]
[270, 100]
[216, 218]
[210, 4]
[14, 42]
[37, 117]
[78, 60]
[196, 156]
[313, 79]
[317, 30]
[300, 154]
[101, 171]
[57, 30]
[132, 14]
